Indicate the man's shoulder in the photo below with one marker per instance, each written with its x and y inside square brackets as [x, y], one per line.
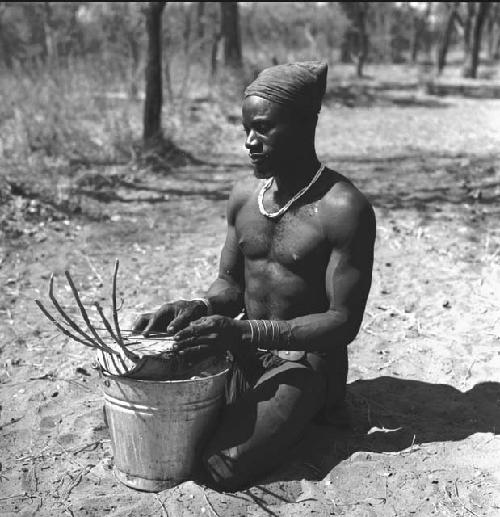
[343, 196]
[242, 191]
[345, 206]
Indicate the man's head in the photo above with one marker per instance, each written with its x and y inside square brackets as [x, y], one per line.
[280, 112]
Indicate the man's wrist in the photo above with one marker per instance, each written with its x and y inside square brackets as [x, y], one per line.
[207, 304]
[266, 334]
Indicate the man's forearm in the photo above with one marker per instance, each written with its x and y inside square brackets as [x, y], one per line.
[319, 332]
[225, 297]
[311, 333]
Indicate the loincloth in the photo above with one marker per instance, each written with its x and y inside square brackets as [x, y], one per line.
[249, 367]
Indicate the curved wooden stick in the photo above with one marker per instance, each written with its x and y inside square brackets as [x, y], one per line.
[107, 325]
[61, 311]
[85, 317]
[126, 351]
[65, 331]
[115, 312]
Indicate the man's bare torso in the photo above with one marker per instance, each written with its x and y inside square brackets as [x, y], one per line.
[285, 260]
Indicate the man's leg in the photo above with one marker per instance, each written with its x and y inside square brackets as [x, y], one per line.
[259, 428]
[335, 411]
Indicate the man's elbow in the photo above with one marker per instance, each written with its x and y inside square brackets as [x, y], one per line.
[346, 326]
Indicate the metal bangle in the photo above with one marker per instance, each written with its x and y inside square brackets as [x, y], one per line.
[258, 333]
[273, 325]
[264, 322]
[206, 302]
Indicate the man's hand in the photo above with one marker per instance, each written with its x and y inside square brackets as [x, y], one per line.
[211, 333]
[171, 317]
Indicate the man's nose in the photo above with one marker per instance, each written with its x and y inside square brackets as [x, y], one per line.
[252, 141]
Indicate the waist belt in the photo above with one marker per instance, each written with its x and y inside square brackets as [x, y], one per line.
[287, 355]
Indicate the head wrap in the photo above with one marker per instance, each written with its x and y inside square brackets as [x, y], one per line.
[298, 85]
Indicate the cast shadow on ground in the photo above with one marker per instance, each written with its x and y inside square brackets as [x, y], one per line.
[432, 199]
[419, 412]
[427, 182]
[370, 95]
[155, 195]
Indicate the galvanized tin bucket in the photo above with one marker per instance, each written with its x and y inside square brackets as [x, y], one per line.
[159, 428]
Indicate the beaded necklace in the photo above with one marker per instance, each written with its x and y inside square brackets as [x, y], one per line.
[283, 209]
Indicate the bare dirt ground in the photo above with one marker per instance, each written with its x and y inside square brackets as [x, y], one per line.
[424, 395]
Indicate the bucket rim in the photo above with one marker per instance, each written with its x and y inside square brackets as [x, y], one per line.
[173, 381]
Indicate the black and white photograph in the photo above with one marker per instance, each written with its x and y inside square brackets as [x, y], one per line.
[250, 259]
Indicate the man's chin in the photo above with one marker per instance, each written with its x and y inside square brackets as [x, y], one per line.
[262, 173]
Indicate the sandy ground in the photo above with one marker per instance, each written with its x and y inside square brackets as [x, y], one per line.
[424, 395]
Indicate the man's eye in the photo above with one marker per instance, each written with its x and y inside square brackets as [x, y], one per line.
[262, 128]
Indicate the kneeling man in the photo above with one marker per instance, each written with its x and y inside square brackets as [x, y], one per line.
[298, 261]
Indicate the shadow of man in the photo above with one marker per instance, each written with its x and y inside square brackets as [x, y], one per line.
[389, 414]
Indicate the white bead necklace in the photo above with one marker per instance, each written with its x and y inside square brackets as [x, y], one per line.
[283, 209]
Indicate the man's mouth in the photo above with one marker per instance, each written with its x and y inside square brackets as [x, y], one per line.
[257, 158]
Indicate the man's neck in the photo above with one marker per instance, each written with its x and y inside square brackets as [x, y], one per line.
[296, 177]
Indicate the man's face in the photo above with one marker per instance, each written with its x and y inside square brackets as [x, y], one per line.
[273, 139]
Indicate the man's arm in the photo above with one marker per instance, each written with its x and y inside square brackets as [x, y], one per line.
[349, 224]
[226, 294]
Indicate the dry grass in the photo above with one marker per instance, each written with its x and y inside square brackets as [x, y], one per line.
[63, 114]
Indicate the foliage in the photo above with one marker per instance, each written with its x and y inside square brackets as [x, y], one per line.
[115, 30]
[71, 73]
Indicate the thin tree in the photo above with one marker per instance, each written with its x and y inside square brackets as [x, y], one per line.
[200, 20]
[493, 31]
[230, 32]
[153, 102]
[419, 28]
[362, 37]
[444, 40]
[355, 44]
[476, 16]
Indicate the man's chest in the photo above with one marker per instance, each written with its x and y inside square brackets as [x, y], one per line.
[295, 240]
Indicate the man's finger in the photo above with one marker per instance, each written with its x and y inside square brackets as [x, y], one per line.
[180, 322]
[160, 319]
[154, 323]
[190, 331]
[196, 351]
[190, 342]
[141, 323]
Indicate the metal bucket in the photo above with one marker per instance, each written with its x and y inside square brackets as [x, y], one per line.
[159, 428]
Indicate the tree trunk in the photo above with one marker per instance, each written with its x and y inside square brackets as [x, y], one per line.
[474, 32]
[213, 54]
[153, 101]
[135, 53]
[200, 20]
[345, 46]
[445, 37]
[496, 51]
[471, 8]
[362, 39]
[493, 30]
[230, 32]
[415, 40]
[354, 44]
[50, 48]
[187, 29]
[419, 27]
